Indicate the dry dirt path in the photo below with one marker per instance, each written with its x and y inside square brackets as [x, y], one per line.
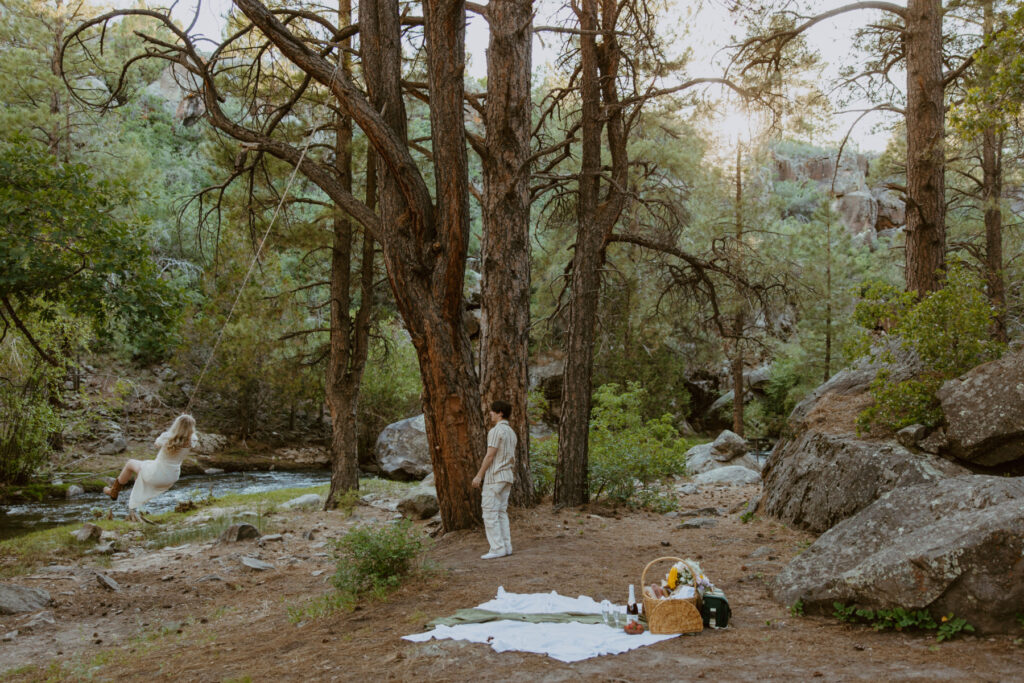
[195, 613]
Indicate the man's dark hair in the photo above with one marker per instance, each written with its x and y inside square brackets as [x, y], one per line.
[502, 407]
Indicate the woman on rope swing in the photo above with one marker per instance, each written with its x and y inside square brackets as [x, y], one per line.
[153, 477]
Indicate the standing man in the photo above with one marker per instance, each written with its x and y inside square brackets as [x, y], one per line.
[496, 475]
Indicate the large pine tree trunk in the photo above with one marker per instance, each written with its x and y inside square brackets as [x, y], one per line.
[504, 339]
[925, 118]
[991, 195]
[571, 475]
[424, 246]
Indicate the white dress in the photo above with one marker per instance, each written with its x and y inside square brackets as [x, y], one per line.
[156, 476]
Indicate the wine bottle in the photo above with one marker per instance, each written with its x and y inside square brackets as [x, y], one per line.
[632, 610]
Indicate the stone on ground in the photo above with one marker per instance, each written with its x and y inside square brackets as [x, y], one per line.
[309, 500]
[728, 445]
[239, 532]
[818, 480]
[88, 532]
[953, 545]
[402, 451]
[984, 411]
[419, 503]
[731, 475]
[15, 599]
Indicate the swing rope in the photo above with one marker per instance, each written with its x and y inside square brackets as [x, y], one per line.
[248, 274]
[256, 257]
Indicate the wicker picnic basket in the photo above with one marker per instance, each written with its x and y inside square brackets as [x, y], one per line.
[668, 615]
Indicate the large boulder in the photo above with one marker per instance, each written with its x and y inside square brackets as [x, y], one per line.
[700, 459]
[402, 450]
[858, 211]
[984, 412]
[953, 545]
[892, 210]
[15, 599]
[818, 480]
[728, 446]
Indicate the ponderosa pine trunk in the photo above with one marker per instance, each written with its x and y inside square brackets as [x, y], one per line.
[600, 109]
[572, 486]
[991, 196]
[505, 252]
[926, 154]
[424, 246]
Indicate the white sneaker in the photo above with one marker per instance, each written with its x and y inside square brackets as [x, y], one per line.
[492, 556]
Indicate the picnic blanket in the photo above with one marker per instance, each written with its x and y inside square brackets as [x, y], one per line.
[544, 623]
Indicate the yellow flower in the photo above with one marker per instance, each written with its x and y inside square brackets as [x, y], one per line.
[944, 619]
[673, 578]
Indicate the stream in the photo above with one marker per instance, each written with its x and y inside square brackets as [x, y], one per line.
[18, 519]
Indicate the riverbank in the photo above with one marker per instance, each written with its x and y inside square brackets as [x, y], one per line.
[192, 610]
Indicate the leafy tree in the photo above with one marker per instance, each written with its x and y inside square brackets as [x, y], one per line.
[66, 246]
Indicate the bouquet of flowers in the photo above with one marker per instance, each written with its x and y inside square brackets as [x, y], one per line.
[679, 583]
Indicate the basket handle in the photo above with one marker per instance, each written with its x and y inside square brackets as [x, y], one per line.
[643, 574]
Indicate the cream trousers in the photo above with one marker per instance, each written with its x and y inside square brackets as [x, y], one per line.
[494, 503]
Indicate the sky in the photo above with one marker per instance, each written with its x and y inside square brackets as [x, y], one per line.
[704, 27]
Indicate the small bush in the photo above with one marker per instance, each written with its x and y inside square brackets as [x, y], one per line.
[949, 330]
[375, 558]
[628, 456]
[898, 619]
[26, 423]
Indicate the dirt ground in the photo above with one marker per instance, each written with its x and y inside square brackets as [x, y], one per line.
[195, 613]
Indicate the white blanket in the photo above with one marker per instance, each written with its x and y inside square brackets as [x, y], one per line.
[570, 642]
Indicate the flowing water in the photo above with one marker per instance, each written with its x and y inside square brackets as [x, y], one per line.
[22, 518]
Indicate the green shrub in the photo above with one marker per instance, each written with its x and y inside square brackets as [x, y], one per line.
[26, 423]
[898, 619]
[628, 456]
[949, 330]
[375, 558]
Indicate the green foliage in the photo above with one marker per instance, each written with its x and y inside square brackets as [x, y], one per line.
[375, 558]
[949, 330]
[66, 250]
[797, 608]
[898, 619]
[391, 385]
[626, 453]
[628, 456]
[26, 422]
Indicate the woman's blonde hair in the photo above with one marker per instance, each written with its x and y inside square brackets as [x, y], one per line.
[181, 432]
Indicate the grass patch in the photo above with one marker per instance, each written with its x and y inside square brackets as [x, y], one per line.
[319, 607]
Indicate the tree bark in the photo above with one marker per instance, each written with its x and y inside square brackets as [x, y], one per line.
[600, 109]
[424, 247]
[572, 485]
[925, 119]
[505, 252]
[991, 194]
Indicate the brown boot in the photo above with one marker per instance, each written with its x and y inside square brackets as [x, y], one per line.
[113, 489]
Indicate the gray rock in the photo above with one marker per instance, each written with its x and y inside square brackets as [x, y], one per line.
[40, 620]
[15, 599]
[402, 450]
[190, 109]
[88, 532]
[821, 479]
[115, 443]
[419, 503]
[699, 459]
[107, 582]
[758, 377]
[731, 475]
[10, 635]
[699, 523]
[763, 551]
[210, 443]
[310, 500]
[272, 537]
[727, 446]
[892, 211]
[702, 512]
[239, 532]
[257, 564]
[953, 545]
[688, 489]
[858, 211]
[428, 480]
[909, 436]
[74, 491]
[934, 442]
[984, 411]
